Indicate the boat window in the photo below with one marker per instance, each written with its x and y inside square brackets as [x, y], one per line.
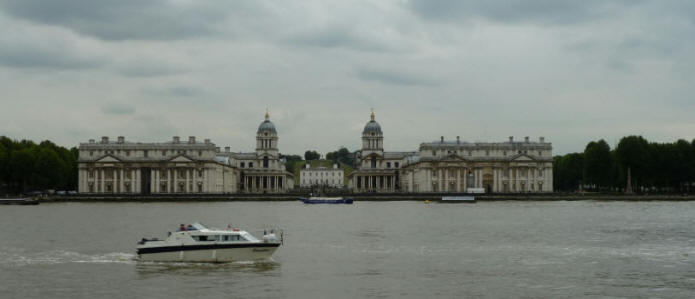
[206, 238]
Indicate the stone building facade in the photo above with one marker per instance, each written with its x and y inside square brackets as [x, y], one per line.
[321, 176]
[452, 166]
[492, 167]
[376, 170]
[123, 167]
[262, 171]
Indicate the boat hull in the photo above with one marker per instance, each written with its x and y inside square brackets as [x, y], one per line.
[19, 201]
[208, 253]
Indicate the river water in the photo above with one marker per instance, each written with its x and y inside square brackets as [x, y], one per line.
[369, 249]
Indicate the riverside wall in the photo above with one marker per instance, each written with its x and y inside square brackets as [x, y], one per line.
[366, 197]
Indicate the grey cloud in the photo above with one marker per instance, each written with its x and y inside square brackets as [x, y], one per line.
[513, 11]
[148, 69]
[176, 91]
[123, 19]
[44, 58]
[117, 109]
[339, 38]
[26, 49]
[396, 78]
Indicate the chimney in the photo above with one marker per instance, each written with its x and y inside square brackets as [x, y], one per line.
[104, 139]
[442, 139]
[541, 139]
[511, 139]
[176, 139]
[458, 139]
[91, 140]
[121, 139]
[526, 139]
[191, 139]
[207, 141]
[227, 149]
[217, 149]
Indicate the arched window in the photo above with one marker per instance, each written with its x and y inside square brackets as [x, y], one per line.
[373, 161]
[265, 162]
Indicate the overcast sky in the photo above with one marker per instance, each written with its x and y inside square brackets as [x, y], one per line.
[572, 71]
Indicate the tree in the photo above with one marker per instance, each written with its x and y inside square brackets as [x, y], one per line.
[342, 155]
[598, 164]
[633, 152]
[568, 171]
[22, 167]
[311, 155]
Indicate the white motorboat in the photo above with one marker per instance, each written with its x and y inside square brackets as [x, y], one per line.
[197, 243]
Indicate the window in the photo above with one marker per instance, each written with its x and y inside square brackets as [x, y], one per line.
[127, 153]
[250, 164]
[200, 153]
[434, 153]
[388, 164]
[487, 152]
[539, 153]
[145, 153]
[265, 162]
[164, 152]
[243, 164]
[91, 153]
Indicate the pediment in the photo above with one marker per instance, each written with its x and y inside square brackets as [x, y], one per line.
[107, 159]
[180, 158]
[455, 157]
[522, 157]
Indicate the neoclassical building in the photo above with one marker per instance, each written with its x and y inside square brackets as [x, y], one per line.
[321, 176]
[452, 166]
[262, 171]
[376, 170]
[495, 167]
[150, 168]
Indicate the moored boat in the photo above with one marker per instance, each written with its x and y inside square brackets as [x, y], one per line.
[329, 200]
[464, 199]
[198, 243]
[19, 201]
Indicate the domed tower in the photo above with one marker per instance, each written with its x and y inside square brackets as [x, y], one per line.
[372, 138]
[267, 139]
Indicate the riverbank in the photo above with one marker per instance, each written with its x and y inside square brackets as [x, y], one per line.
[366, 197]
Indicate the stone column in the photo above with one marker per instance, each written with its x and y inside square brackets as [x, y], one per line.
[188, 180]
[138, 177]
[465, 180]
[175, 172]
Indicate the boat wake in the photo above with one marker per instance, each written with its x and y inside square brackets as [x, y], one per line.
[20, 258]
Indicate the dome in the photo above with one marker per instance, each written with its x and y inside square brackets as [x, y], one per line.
[372, 127]
[267, 126]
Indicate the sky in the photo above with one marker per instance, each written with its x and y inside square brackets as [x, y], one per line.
[570, 71]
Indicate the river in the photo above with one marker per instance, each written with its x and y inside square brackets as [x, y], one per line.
[369, 249]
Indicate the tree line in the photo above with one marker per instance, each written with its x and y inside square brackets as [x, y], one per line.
[653, 167]
[27, 166]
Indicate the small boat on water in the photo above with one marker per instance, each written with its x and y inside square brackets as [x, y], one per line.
[464, 199]
[198, 243]
[19, 201]
[329, 200]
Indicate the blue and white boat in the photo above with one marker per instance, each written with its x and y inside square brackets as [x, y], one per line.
[329, 200]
